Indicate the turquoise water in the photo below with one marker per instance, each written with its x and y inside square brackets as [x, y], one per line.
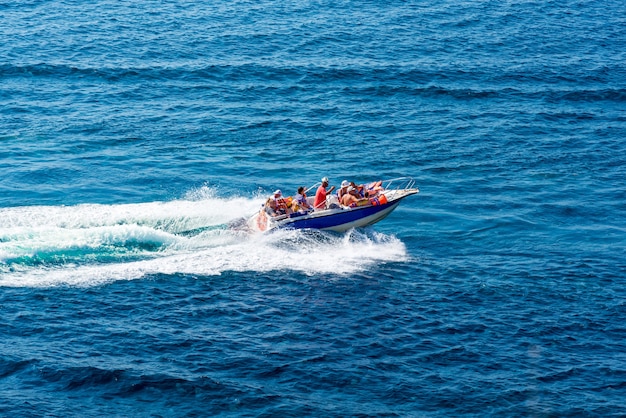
[134, 136]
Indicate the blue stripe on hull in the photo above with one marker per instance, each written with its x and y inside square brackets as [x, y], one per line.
[345, 219]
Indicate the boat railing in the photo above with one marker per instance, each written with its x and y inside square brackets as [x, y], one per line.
[391, 187]
[399, 185]
[314, 187]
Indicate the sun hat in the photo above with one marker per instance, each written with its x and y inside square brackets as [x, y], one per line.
[351, 189]
[278, 192]
[345, 183]
[324, 179]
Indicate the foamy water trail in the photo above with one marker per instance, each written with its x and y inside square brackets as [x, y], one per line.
[87, 245]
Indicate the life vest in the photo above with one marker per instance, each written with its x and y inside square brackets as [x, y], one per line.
[379, 200]
[283, 204]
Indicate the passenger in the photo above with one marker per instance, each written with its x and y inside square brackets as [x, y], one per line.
[360, 189]
[368, 190]
[320, 195]
[343, 189]
[270, 207]
[281, 204]
[352, 198]
[300, 203]
[372, 189]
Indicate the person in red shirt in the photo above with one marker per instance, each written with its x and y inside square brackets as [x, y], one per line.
[320, 195]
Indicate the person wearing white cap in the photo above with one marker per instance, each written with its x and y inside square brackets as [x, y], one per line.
[281, 204]
[343, 189]
[320, 195]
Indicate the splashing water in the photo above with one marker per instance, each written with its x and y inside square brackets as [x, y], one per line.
[87, 245]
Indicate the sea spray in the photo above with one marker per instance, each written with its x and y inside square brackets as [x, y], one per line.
[87, 245]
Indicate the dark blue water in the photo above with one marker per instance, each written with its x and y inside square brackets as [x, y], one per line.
[134, 134]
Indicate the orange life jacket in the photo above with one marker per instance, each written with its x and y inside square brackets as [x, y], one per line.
[379, 200]
[281, 204]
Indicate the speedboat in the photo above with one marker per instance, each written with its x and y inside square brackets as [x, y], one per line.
[336, 217]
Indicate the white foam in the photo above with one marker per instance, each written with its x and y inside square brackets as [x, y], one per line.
[88, 245]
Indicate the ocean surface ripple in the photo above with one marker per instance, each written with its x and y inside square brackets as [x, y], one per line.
[136, 137]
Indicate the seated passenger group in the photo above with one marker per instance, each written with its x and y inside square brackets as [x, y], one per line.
[362, 191]
[349, 195]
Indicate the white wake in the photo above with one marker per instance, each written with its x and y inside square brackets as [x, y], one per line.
[90, 244]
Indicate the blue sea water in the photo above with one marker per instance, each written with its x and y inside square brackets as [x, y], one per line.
[132, 134]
